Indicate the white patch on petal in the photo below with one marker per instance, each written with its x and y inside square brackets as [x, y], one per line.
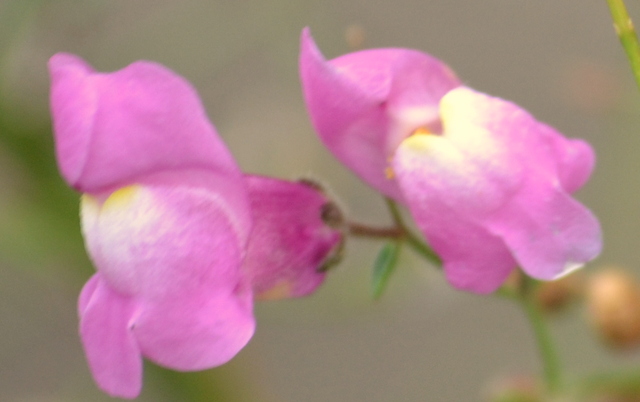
[569, 267]
[438, 168]
[151, 241]
[435, 157]
[460, 101]
[129, 223]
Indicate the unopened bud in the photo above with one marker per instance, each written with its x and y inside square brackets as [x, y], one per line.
[355, 36]
[614, 307]
[331, 214]
[554, 296]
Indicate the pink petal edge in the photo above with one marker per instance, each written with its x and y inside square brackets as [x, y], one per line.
[495, 176]
[113, 128]
[363, 104]
[105, 328]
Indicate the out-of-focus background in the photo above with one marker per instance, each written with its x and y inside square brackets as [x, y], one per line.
[422, 341]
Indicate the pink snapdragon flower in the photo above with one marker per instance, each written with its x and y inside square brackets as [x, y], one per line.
[181, 239]
[486, 183]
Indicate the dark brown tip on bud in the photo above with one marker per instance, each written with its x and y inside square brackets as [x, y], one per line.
[313, 184]
[334, 258]
[332, 216]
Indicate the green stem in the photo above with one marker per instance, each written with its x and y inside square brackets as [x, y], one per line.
[621, 382]
[412, 239]
[627, 34]
[524, 295]
[398, 232]
[550, 360]
[360, 230]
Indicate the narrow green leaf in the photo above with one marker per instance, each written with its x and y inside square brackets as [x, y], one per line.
[383, 267]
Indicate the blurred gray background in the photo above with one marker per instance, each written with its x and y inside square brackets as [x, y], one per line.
[422, 341]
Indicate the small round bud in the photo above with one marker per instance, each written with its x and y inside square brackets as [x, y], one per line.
[553, 296]
[614, 307]
[355, 36]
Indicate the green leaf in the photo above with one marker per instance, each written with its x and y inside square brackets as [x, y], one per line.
[383, 267]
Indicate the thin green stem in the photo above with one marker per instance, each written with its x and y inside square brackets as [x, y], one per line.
[360, 230]
[623, 382]
[551, 363]
[423, 249]
[400, 231]
[552, 372]
[412, 239]
[627, 34]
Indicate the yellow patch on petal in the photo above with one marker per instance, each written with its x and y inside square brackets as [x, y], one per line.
[422, 131]
[121, 197]
[447, 107]
[90, 203]
[124, 232]
[389, 173]
[420, 140]
[137, 209]
[436, 153]
[282, 290]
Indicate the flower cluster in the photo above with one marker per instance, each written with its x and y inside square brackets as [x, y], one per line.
[486, 183]
[182, 240]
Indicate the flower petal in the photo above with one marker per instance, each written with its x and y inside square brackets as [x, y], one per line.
[111, 129]
[177, 251]
[160, 242]
[87, 291]
[363, 104]
[197, 331]
[446, 193]
[290, 242]
[552, 237]
[554, 234]
[575, 159]
[498, 170]
[165, 217]
[105, 327]
[480, 262]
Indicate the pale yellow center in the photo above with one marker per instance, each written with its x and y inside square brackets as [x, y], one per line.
[417, 140]
[120, 197]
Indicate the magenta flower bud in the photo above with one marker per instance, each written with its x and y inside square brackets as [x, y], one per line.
[488, 185]
[180, 238]
[296, 229]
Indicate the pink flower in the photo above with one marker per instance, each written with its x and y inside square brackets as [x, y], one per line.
[487, 184]
[181, 239]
